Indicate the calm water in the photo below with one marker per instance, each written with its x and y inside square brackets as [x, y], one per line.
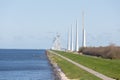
[24, 65]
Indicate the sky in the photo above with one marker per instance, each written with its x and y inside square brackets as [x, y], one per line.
[33, 24]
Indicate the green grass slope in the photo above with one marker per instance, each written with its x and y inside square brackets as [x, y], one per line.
[72, 71]
[107, 67]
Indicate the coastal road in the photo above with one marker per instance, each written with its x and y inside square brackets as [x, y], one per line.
[103, 77]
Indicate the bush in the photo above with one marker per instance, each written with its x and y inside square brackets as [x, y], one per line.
[111, 52]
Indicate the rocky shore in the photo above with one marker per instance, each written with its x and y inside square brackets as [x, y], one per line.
[59, 75]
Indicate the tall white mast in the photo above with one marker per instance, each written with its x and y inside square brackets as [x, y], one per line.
[71, 38]
[68, 40]
[83, 32]
[76, 44]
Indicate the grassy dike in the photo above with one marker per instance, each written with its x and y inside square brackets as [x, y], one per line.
[71, 71]
[107, 67]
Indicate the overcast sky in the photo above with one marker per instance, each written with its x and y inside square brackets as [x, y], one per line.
[34, 23]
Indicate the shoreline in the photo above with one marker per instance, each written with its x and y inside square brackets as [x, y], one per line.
[59, 75]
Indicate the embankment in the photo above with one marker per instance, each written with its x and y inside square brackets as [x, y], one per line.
[59, 75]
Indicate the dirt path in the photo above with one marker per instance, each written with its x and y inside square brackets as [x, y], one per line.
[103, 77]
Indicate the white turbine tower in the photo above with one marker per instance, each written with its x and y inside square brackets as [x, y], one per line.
[83, 32]
[76, 44]
[71, 38]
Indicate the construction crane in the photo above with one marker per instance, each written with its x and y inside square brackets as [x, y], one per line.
[56, 43]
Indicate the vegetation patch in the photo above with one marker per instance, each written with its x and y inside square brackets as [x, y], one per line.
[111, 52]
[72, 71]
[107, 67]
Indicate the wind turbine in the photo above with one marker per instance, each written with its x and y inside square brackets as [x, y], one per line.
[83, 32]
[71, 38]
[76, 44]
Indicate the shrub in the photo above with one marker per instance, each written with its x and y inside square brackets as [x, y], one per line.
[111, 52]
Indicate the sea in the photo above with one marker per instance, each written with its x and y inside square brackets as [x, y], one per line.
[25, 64]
